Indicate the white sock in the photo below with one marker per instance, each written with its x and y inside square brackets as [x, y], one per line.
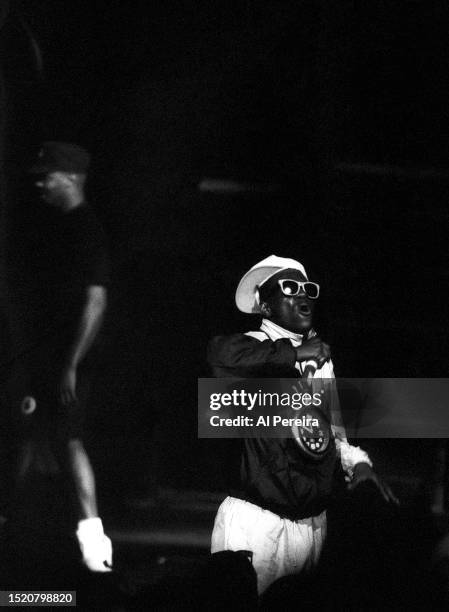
[95, 546]
[90, 527]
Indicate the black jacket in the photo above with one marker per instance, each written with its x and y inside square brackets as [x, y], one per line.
[273, 473]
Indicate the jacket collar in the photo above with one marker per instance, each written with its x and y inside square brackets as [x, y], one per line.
[276, 332]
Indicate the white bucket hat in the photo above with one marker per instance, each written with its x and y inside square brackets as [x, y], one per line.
[246, 296]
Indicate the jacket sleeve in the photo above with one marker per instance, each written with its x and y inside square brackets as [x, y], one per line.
[240, 352]
[349, 455]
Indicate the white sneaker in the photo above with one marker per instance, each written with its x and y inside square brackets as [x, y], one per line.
[96, 547]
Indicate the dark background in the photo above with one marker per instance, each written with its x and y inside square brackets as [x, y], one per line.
[334, 116]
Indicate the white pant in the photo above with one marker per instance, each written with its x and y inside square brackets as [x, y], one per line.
[279, 546]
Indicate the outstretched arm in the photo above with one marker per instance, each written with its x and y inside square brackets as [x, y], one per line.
[87, 329]
[355, 461]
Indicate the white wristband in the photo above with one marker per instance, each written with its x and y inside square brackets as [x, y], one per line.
[350, 456]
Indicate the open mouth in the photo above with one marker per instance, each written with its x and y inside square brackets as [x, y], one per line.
[304, 310]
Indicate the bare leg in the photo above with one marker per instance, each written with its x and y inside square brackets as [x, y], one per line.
[26, 453]
[83, 478]
[75, 462]
[96, 547]
[24, 460]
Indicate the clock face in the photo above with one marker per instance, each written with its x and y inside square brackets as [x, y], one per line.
[313, 436]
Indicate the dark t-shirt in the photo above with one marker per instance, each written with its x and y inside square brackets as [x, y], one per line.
[71, 255]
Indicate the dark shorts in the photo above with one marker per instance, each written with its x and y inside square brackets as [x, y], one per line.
[39, 379]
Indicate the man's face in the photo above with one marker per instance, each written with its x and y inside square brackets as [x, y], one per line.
[294, 313]
[52, 188]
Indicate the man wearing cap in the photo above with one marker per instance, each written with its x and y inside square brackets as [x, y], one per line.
[277, 505]
[67, 306]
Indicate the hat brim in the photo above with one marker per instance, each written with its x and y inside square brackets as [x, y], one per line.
[245, 296]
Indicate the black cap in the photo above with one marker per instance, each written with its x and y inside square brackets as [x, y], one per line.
[61, 157]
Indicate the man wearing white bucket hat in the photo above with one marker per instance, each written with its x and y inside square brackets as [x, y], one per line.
[277, 508]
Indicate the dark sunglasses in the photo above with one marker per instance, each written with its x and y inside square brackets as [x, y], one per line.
[292, 288]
